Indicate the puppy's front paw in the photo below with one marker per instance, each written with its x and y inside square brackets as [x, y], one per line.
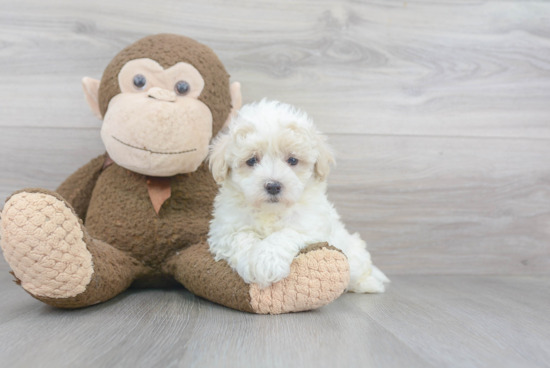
[319, 275]
[267, 268]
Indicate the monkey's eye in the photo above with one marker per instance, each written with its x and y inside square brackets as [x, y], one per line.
[253, 161]
[140, 81]
[292, 161]
[182, 88]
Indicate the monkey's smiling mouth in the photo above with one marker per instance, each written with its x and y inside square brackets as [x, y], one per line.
[150, 151]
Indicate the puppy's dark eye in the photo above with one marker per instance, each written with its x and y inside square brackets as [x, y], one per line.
[252, 161]
[140, 81]
[292, 161]
[182, 88]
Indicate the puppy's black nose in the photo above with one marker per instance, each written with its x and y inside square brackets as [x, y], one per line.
[273, 187]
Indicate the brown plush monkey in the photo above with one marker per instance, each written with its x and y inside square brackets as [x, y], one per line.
[139, 214]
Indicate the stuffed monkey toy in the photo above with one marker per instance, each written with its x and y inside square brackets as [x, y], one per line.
[139, 214]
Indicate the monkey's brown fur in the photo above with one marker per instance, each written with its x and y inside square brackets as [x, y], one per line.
[167, 50]
[132, 245]
[116, 209]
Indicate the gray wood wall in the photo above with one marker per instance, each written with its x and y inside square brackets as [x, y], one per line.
[439, 110]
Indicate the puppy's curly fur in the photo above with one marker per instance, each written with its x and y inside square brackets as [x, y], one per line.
[272, 166]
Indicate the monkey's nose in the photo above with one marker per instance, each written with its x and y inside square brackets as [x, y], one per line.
[161, 94]
[273, 188]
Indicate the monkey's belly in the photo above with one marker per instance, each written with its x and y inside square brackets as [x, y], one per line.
[122, 215]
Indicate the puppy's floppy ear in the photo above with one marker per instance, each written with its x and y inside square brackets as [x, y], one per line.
[324, 159]
[217, 160]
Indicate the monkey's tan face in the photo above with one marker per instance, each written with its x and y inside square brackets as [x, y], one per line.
[157, 126]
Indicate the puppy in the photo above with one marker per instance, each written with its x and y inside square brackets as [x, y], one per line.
[272, 166]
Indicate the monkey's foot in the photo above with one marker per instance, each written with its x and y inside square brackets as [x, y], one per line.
[318, 276]
[44, 243]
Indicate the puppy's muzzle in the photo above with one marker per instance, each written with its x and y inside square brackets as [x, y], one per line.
[273, 188]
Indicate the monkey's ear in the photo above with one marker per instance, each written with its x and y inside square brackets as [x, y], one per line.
[236, 101]
[91, 92]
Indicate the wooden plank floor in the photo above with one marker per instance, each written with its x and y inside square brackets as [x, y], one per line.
[439, 112]
[422, 321]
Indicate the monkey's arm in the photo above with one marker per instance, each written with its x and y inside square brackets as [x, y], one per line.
[318, 275]
[77, 188]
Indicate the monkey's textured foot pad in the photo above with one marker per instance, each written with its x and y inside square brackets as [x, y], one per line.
[43, 241]
[316, 278]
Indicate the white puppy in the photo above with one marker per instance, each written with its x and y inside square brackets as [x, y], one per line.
[272, 166]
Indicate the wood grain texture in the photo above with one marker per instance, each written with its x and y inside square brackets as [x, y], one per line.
[421, 321]
[439, 109]
[380, 67]
[423, 204]
[446, 205]
[467, 321]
